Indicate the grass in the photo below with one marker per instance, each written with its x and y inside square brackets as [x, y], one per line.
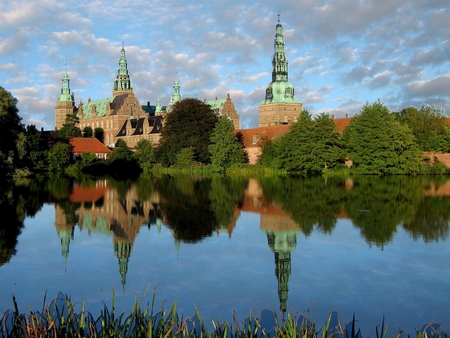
[60, 318]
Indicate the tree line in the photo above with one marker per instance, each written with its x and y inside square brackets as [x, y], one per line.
[377, 141]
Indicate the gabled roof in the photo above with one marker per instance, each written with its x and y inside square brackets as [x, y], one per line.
[88, 145]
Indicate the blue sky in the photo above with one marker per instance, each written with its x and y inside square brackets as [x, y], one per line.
[341, 53]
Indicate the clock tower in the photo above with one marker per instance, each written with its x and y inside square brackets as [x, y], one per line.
[279, 105]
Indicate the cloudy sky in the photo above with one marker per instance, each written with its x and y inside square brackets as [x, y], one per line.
[342, 53]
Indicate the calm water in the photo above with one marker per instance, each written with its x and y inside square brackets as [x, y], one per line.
[370, 246]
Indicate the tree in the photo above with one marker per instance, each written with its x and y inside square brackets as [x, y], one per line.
[377, 144]
[37, 148]
[327, 146]
[87, 131]
[10, 128]
[120, 152]
[143, 154]
[99, 134]
[69, 129]
[225, 147]
[59, 157]
[294, 149]
[189, 124]
[425, 123]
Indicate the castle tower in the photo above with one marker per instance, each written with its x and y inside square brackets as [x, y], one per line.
[230, 111]
[123, 83]
[279, 106]
[176, 96]
[65, 104]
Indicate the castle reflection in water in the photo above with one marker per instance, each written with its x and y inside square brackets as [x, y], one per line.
[100, 209]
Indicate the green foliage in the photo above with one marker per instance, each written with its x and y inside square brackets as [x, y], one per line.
[87, 131]
[36, 148]
[189, 124]
[143, 154]
[225, 147]
[69, 129]
[58, 157]
[269, 153]
[88, 158]
[64, 318]
[294, 152]
[10, 129]
[424, 123]
[311, 147]
[120, 152]
[377, 144]
[99, 134]
[185, 158]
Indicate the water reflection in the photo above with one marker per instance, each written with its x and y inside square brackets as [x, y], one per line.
[196, 208]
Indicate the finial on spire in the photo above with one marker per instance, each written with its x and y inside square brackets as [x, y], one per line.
[65, 64]
[279, 16]
[123, 39]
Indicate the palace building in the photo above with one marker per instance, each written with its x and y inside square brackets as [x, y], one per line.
[121, 116]
[280, 105]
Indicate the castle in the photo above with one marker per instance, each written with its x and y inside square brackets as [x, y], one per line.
[121, 116]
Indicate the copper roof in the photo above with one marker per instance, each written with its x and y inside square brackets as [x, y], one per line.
[88, 144]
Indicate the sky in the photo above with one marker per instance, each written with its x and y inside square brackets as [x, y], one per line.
[342, 53]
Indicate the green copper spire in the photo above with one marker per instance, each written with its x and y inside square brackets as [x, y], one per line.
[176, 97]
[279, 90]
[279, 61]
[123, 81]
[65, 89]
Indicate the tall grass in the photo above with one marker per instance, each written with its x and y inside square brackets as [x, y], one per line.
[60, 318]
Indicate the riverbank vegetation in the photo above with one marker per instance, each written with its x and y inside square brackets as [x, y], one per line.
[195, 140]
[63, 318]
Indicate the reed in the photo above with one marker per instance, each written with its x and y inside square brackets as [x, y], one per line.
[59, 318]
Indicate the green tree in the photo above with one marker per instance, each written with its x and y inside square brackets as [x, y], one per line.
[425, 123]
[225, 147]
[327, 148]
[37, 148]
[189, 124]
[69, 129]
[99, 134]
[87, 131]
[120, 152]
[269, 153]
[10, 128]
[143, 154]
[295, 152]
[377, 144]
[185, 158]
[59, 157]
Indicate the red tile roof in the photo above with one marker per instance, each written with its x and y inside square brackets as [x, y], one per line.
[341, 124]
[88, 144]
[252, 137]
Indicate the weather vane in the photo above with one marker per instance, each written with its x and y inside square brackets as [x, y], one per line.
[279, 16]
[123, 39]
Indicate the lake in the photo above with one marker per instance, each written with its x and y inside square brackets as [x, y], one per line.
[370, 246]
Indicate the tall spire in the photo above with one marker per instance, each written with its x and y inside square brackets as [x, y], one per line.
[65, 89]
[279, 61]
[176, 96]
[123, 82]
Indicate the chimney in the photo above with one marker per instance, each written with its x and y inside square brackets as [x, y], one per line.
[148, 103]
[346, 116]
[332, 117]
